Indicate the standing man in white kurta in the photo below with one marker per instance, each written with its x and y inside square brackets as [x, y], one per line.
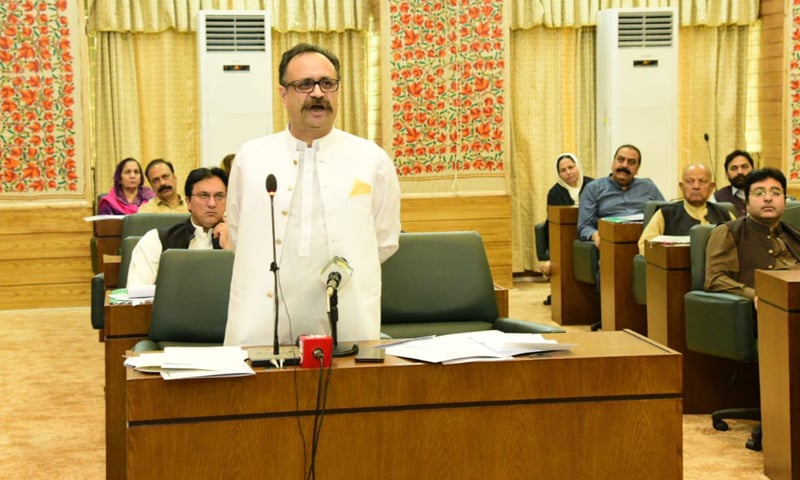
[338, 195]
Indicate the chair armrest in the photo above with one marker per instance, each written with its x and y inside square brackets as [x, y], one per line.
[501, 297]
[513, 325]
[97, 304]
[146, 345]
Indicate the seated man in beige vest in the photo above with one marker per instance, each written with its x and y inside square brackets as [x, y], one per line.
[677, 218]
[758, 241]
[161, 176]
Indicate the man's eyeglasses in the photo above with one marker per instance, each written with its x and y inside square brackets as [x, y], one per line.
[762, 192]
[204, 196]
[307, 85]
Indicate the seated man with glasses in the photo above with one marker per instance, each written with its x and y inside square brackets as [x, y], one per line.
[759, 240]
[206, 192]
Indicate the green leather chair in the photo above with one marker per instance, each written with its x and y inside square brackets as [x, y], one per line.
[136, 225]
[190, 306]
[720, 324]
[440, 283]
[127, 245]
[542, 238]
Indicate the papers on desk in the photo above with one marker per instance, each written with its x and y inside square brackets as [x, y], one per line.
[96, 218]
[474, 346]
[671, 239]
[633, 218]
[175, 363]
[138, 295]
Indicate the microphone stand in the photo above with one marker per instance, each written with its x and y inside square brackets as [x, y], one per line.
[257, 356]
[345, 349]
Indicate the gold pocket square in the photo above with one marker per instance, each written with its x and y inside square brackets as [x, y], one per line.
[360, 188]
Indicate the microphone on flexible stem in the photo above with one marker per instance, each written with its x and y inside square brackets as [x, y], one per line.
[710, 159]
[272, 187]
[276, 359]
[335, 275]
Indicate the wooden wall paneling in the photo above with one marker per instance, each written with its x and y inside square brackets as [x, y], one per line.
[488, 215]
[46, 262]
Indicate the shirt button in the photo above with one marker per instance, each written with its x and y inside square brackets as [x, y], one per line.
[290, 188]
[295, 162]
[278, 241]
[284, 213]
[269, 294]
[771, 267]
[770, 251]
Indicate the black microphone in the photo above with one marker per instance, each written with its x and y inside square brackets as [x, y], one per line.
[710, 159]
[335, 275]
[272, 183]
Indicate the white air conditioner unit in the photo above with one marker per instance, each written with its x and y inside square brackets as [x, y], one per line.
[637, 91]
[235, 68]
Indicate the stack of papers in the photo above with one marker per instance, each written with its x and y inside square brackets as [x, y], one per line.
[633, 218]
[193, 362]
[671, 239]
[133, 295]
[473, 346]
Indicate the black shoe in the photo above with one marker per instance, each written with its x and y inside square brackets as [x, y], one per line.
[547, 300]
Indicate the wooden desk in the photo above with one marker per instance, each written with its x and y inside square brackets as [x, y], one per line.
[107, 234]
[572, 302]
[779, 363]
[618, 246]
[707, 380]
[611, 408]
[124, 326]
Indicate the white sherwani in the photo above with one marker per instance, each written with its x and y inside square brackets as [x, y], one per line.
[355, 198]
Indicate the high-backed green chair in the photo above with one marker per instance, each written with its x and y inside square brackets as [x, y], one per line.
[439, 283]
[190, 306]
[135, 225]
[719, 324]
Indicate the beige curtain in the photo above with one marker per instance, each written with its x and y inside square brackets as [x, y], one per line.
[552, 93]
[146, 102]
[581, 13]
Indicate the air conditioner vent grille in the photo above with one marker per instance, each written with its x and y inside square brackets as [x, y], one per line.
[235, 33]
[646, 29]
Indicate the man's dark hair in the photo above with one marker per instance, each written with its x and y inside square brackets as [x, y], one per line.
[203, 173]
[762, 174]
[738, 153]
[628, 145]
[156, 162]
[301, 48]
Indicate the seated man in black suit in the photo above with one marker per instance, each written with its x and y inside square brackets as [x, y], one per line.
[678, 217]
[206, 191]
[738, 164]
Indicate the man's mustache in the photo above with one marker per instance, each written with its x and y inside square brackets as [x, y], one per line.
[317, 101]
[624, 169]
[164, 188]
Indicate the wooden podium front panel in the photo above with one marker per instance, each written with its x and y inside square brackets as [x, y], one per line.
[779, 364]
[572, 302]
[613, 402]
[107, 234]
[124, 325]
[709, 383]
[618, 246]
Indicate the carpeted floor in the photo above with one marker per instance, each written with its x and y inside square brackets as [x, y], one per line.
[52, 412]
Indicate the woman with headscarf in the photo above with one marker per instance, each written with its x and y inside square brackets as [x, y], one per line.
[567, 191]
[128, 192]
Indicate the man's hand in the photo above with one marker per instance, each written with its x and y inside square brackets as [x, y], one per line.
[596, 239]
[221, 234]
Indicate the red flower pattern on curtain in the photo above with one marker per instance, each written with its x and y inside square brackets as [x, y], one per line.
[447, 86]
[794, 94]
[37, 86]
